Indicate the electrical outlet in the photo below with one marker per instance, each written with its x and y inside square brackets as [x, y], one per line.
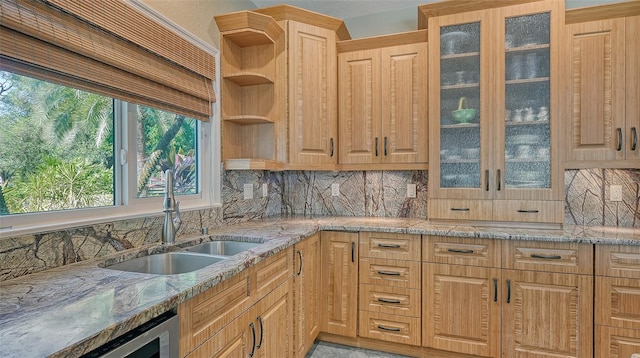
[615, 193]
[265, 190]
[411, 190]
[335, 189]
[248, 191]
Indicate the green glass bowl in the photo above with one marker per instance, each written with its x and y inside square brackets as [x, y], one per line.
[463, 115]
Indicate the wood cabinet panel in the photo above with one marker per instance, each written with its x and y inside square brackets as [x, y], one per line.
[462, 251]
[274, 323]
[548, 256]
[390, 300]
[618, 302]
[313, 108]
[632, 89]
[307, 294]
[339, 258]
[233, 341]
[530, 211]
[390, 246]
[617, 342]
[618, 261]
[392, 328]
[460, 209]
[272, 272]
[393, 273]
[547, 314]
[462, 304]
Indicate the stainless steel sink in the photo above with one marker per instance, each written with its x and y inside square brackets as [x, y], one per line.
[225, 248]
[169, 263]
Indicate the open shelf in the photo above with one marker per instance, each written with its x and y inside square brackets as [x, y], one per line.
[527, 80]
[247, 28]
[246, 119]
[248, 78]
[527, 48]
[460, 55]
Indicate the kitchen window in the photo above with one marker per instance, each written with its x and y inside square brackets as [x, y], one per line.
[98, 95]
[65, 150]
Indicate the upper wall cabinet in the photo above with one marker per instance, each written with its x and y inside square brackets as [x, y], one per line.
[603, 82]
[493, 114]
[253, 102]
[383, 101]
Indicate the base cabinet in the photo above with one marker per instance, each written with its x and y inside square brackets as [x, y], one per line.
[339, 258]
[306, 294]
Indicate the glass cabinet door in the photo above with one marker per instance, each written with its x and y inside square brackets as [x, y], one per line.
[527, 130]
[460, 154]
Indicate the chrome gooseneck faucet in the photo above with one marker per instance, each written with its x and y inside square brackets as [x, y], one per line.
[169, 205]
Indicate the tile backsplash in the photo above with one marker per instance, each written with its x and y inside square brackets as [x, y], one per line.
[305, 193]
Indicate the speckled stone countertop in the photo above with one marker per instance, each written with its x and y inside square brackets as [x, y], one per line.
[73, 309]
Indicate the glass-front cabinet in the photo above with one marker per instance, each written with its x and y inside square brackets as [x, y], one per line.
[494, 78]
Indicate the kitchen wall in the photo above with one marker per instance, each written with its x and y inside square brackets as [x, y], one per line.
[304, 193]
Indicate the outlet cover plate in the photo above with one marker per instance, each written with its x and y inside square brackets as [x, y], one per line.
[615, 193]
[335, 189]
[411, 190]
[248, 191]
[265, 190]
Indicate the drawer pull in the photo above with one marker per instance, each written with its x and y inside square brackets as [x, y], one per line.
[389, 273]
[546, 257]
[385, 146]
[508, 291]
[461, 251]
[486, 180]
[376, 146]
[259, 345]
[499, 180]
[495, 289]
[389, 246]
[388, 300]
[300, 257]
[529, 211]
[619, 131]
[390, 329]
[353, 251]
[634, 138]
[331, 145]
[459, 209]
[253, 333]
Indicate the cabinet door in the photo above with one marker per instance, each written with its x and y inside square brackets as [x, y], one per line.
[547, 314]
[404, 137]
[462, 309]
[617, 342]
[460, 105]
[307, 291]
[339, 258]
[313, 108]
[526, 117]
[597, 76]
[632, 73]
[274, 323]
[359, 74]
[233, 341]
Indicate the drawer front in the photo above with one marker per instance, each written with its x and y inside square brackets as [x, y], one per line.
[529, 211]
[617, 342]
[462, 251]
[460, 209]
[548, 256]
[618, 261]
[273, 271]
[392, 273]
[618, 302]
[390, 246]
[391, 328]
[390, 300]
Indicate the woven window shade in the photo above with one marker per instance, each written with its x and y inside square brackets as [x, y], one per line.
[39, 40]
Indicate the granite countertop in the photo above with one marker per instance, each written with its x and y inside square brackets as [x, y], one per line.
[73, 309]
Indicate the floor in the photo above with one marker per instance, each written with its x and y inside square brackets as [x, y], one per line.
[330, 350]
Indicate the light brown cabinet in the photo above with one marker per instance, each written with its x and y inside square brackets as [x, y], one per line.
[255, 302]
[494, 114]
[307, 294]
[604, 88]
[389, 281]
[339, 289]
[252, 91]
[537, 298]
[383, 98]
[618, 301]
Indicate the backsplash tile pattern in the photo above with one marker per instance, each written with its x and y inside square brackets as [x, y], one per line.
[306, 193]
[587, 197]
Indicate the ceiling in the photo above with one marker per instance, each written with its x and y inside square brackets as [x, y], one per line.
[344, 9]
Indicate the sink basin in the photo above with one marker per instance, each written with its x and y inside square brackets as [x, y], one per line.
[225, 248]
[169, 263]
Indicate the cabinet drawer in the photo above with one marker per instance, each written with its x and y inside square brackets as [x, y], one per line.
[390, 246]
[390, 300]
[560, 257]
[273, 271]
[462, 251]
[392, 273]
[617, 342]
[397, 329]
[618, 261]
[529, 211]
[618, 302]
[452, 209]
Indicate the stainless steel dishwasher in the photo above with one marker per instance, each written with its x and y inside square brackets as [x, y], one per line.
[156, 338]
